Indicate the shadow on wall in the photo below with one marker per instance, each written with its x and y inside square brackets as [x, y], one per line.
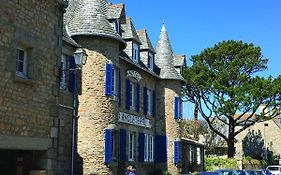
[79, 164]
[254, 146]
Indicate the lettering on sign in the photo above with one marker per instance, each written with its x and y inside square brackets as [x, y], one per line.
[133, 120]
[134, 74]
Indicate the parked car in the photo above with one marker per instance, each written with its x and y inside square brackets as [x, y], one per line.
[209, 173]
[266, 172]
[274, 169]
[227, 172]
[251, 172]
[241, 172]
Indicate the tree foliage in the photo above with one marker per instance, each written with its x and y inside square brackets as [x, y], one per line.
[222, 82]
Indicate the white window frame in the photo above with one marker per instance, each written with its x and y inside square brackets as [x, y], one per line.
[150, 61]
[180, 108]
[133, 96]
[117, 26]
[198, 156]
[22, 73]
[115, 80]
[148, 148]
[149, 102]
[63, 84]
[135, 53]
[131, 142]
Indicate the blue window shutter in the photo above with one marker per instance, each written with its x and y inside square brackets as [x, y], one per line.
[160, 151]
[71, 79]
[145, 100]
[176, 107]
[176, 152]
[154, 104]
[108, 79]
[128, 94]
[141, 147]
[122, 145]
[119, 89]
[138, 98]
[107, 145]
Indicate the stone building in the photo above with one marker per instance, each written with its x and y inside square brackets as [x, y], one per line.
[30, 52]
[130, 94]
[260, 139]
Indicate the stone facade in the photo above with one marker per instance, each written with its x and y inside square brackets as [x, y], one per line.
[28, 97]
[127, 110]
[132, 121]
[258, 138]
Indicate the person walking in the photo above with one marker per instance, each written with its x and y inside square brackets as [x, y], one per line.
[130, 170]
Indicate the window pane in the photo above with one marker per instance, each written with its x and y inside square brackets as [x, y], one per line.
[113, 80]
[20, 66]
[20, 55]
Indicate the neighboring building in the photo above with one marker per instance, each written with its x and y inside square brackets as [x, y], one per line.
[259, 139]
[30, 52]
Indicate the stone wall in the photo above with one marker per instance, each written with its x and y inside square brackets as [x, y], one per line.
[96, 110]
[27, 105]
[171, 88]
[260, 136]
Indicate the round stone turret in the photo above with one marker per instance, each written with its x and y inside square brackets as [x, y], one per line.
[88, 17]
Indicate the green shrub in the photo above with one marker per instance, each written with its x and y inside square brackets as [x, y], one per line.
[166, 173]
[220, 163]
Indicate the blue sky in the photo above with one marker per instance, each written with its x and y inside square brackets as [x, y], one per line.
[193, 25]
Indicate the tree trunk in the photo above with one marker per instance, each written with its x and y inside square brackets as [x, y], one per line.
[231, 138]
[196, 112]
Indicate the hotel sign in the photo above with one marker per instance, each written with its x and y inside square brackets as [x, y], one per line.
[134, 74]
[133, 120]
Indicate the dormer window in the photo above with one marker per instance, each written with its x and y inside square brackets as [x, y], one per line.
[150, 61]
[136, 52]
[117, 26]
[115, 23]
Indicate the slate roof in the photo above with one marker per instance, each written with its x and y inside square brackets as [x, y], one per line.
[67, 38]
[88, 17]
[115, 11]
[164, 57]
[140, 65]
[179, 60]
[129, 31]
[145, 41]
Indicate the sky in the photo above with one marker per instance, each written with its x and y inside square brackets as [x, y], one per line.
[193, 25]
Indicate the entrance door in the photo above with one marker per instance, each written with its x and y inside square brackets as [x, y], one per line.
[15, 162]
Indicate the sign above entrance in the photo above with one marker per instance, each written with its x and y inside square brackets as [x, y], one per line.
[133, 120]
[134, 74]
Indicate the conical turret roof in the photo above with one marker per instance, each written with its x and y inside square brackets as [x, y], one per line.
[164, 57]
[88, 17]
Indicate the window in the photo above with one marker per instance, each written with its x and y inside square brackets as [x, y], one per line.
[177, 108]
[198, 156]
[117, 26]
[133, 96]
[150, 61]
[131, 146]
[63, 67]
[115, 80]
[136, 52]
[149, 102]
[21, 63]
[148, 148]
[111, 80]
